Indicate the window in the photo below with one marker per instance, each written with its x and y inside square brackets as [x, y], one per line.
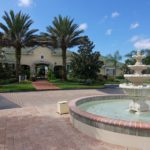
[110, 71]
[68, 68]
[13, 66]
[42, 57]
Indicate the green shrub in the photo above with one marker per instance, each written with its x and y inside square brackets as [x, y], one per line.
[33, 78]
[88, 82]
[111, 78]
[51, 75]
[26, 72]
[6, 72]
[80, 80]
[70, 76]
[120, 77]
[117, 81]
[8, 81]
[102, 77]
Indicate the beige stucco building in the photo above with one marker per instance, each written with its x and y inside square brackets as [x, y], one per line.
[109, 69]
[37, 60]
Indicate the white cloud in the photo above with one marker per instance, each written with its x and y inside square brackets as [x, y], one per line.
[83, 26]
[115, 14]
[24, 3]
[108, 32]
[140, 43]
[134, 25]
[135, 38]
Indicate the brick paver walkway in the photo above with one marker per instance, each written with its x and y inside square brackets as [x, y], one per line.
[44, 85]
[35, 125]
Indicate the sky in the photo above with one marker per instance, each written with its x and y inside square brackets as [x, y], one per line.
[112, 25]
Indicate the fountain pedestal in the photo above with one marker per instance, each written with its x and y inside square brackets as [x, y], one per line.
[138, 106]
[136, 89]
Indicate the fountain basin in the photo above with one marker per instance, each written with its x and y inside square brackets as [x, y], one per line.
[137, 79]
[131, 134]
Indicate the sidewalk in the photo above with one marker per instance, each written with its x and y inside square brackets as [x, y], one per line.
[44, 85]
[33, 124]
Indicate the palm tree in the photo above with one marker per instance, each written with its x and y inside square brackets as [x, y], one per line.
[16, 33]
[114, 59]
[64, 34]
[130, 60]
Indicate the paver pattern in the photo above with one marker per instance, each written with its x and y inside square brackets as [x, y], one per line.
[44, 85]
[33, 124]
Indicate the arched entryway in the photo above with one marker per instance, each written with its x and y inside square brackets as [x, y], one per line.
[41, 71]
[58, 71]
[25, 71]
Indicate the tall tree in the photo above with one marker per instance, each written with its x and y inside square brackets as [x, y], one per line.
[130, 60]
[85, 63]
[64, 34]
[146, 60]
[16, 32]
[114, 59]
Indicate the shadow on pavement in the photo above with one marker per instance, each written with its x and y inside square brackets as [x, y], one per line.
[112, 90]
[7, 104]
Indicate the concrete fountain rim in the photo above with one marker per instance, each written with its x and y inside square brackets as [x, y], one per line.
[106, 120]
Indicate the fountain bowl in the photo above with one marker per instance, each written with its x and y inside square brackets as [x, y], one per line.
[137, 79]
[136, 90]
[138, 68]
[127, 133]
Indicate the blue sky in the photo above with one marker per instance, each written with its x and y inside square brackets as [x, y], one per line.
[111, 24]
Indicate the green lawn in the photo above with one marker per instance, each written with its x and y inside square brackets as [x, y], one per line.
[75, 85]
[16, 87]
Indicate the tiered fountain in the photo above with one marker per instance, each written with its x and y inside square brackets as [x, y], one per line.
[107, 117]
[137, 90]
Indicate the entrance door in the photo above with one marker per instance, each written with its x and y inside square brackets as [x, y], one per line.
[41, 71]
[25, 70]
[58, 71]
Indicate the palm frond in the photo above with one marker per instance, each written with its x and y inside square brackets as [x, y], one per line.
[16, 28]
[63, 33]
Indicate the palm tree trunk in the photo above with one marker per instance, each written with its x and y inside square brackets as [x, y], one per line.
[18, 58]
[64, 71]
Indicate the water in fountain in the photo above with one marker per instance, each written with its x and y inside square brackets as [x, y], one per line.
[136, 89]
